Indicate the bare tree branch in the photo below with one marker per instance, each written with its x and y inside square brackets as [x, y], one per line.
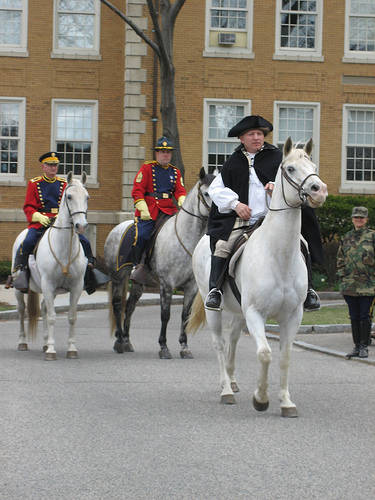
[139, 32]
[155, 21]
[176, 7]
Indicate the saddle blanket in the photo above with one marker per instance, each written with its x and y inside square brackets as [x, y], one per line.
[128, 239]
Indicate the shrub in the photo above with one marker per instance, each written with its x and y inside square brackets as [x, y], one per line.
[5, 267]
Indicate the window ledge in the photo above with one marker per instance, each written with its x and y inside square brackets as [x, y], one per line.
[76, 55]
[245, 54]
[298, 57]
[359, 59]
[14, 53]
[92, 185]
[12, 182]
[357, 189]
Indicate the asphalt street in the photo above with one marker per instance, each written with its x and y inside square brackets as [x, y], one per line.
[132, 426]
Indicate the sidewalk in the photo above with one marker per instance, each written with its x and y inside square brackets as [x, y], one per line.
[335, 340]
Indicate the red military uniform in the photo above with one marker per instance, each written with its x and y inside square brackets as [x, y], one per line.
[43, 195]
[156, 185]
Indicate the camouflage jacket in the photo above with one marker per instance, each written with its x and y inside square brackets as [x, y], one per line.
[356, 262]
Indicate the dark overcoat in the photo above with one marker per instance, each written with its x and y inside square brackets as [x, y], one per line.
[235, 175]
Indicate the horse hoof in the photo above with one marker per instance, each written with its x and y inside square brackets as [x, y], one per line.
[260, 406]
[119, 347]
[234, 387]
[128, 346]
[164, 353]
[227, 399]
[22, 347]
[72, 354]
[50, 356]
[290, 412]
[186, 354]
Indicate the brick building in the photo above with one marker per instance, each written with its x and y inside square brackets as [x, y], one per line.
[82, 82]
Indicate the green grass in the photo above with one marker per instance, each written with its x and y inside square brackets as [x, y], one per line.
[325, 316]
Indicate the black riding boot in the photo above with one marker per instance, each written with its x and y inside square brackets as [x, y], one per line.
[213, 299]
[363, 339]
[356, 334]
[141, 273]
[93, 277]
[312, 301]
[21, 274]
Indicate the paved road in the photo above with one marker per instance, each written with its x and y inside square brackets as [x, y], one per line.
[110, 426]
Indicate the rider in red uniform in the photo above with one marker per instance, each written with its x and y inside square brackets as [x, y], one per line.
[155, 185]
[42, 201]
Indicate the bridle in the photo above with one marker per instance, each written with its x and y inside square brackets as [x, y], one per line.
[202, 217]
[71, 214]
[302, 193]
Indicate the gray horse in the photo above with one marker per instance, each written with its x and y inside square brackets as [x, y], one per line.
[170, 263]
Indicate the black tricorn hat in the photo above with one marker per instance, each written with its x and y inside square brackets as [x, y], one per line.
[164, 143]
[253, 122]
[50, 157]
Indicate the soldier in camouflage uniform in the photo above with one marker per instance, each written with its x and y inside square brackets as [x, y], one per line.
[356, 272]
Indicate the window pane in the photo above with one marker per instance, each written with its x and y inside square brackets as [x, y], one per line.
[296, 123]
[10, 27]
[77, 5]
[9, 126]
[360, 150]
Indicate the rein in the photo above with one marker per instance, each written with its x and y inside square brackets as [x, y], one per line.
[303, 195]
[200, 216]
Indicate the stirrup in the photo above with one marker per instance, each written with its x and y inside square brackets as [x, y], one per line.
[312, 301]
[213, 300]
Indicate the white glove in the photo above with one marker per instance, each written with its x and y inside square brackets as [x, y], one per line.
[143, 208]
[42, 219]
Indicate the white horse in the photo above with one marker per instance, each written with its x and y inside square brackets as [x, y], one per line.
[170, 263]
[61, 264]
[271, 277]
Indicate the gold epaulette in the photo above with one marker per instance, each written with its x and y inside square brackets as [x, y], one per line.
[36, 179]
[150, 162]
[170, 165]
[61, 179]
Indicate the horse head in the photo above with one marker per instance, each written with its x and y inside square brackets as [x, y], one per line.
[75, 200]
[301, 184]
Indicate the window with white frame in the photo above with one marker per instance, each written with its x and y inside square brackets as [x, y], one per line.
[299, 29]
[219, 117]
[75, 131]
[359, 147]
[360, 30]
[76, 28]
[300, 121]
[12, 138]
[13, 27]
[229, 28]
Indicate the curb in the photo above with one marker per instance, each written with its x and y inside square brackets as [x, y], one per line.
[323, 350]
[13, 314]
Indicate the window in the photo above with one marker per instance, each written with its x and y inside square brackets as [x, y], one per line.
[358, 172]
[298, 120]
[13, 27]
[12, 139]
[219, 118]
[360, 31]
[75, 136]
[299, 30]
[76, 28]
[229, 28]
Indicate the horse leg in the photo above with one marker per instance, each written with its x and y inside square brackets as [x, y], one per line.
[50, 353]
[235, 333]
[288, 408]
[165, 314]
[134, 295]
[255, 326]
[214, 321]
[45, 327]
[21, 308]
[72, 352]
[189, 294]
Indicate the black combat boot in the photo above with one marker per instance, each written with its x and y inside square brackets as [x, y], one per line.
[312, 301]
[356, 338]
[213, 299]
[363, 339]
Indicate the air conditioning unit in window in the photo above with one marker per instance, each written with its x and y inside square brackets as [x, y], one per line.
[227, 38]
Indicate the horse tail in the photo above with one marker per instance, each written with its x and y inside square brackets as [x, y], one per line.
[33, 310]
[123, 294]
[197, 315]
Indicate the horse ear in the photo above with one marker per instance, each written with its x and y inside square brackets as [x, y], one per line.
[308, 147]
[288, 146]
[202, 173]
[84, 178]
[69, 177]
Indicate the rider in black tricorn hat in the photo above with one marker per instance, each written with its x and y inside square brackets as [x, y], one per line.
[238, 201]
